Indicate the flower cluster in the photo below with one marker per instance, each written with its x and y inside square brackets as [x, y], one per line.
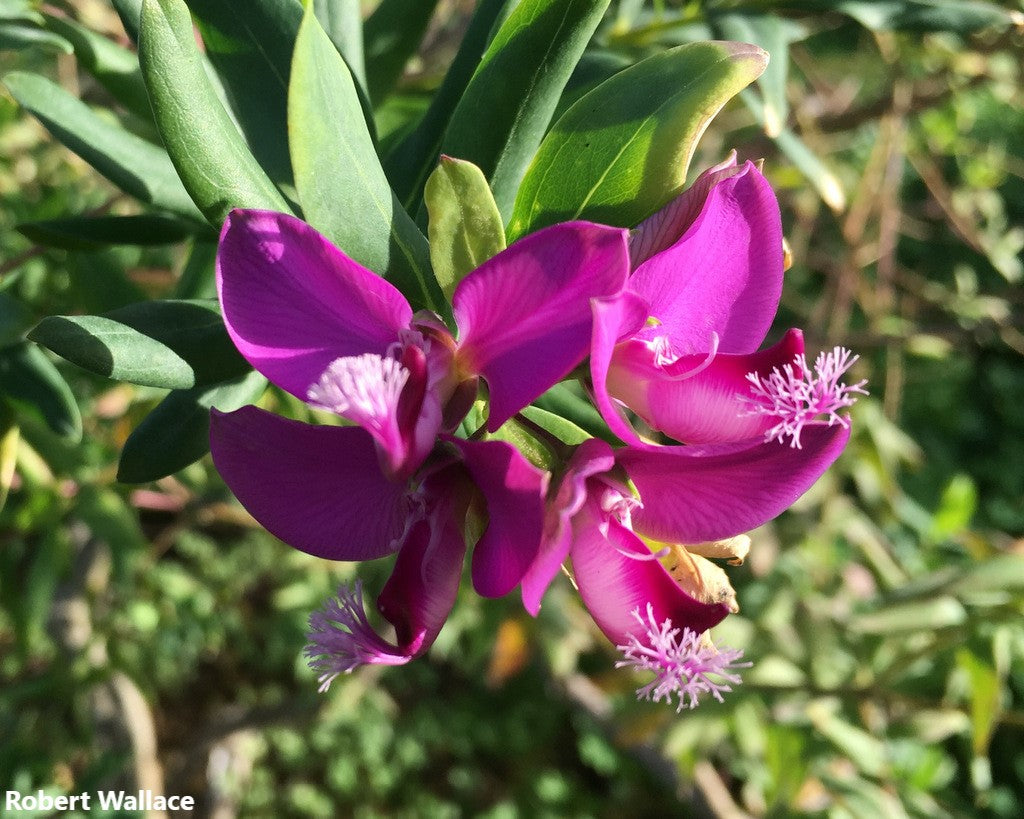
[665, 321]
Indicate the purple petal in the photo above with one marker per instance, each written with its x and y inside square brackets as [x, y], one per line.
[293, 302]
[614, 319]
[702, 408]
[319, 489]
[724, 274]
[514, 490]
[617, 574]
[660, 231]
[524, 316]
[421, 591]
[695, 493]
[592, 457]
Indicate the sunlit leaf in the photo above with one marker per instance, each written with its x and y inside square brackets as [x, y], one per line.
[341, 185]
[172, 344]
[139, 168]
[465, 226]
[215, 164]
[622, 151]
[251, 51]
[517, 84]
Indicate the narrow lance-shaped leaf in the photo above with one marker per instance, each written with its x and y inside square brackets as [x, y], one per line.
[91, 232]
[9, 438]
[517, 86]
[392, 34]
[116, 68]
[173, 344]
[465, 226]
[622, 151]
[27, 32]
[960, 16]
[251, 52]
[774, 34]
[177, 431]
[30, 382]
[343, 22]
[341, 185]
[212, 159]
[139, 168]
[130, 12]
[15, 319]
[410, 162]
[813, 167]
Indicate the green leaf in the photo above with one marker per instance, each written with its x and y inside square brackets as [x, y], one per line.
[808, 163]
[341, 185]
[391, 35]
[960, 16]
[171, 344]
[622, 151]
[866, 751]
[9, 438]
[116, 68]
[921, 615]
[130, 12]
[411, 161]
[567, 400]
[774, 34]
[198, 278]
[985, 689]
[343, 22]
[134, 165]
[465, 226]
[15, 319]
[177, 431]
[18, 33]
[213, 160]
[517, 86]
[813, 168]
[32, 384]
[90, 232]
[252, 53]
[565, 431]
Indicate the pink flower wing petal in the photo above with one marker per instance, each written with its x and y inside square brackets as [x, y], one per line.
[592, 457]
[319, 489]
[691, 494]
[293, 303]
[514, 490]
[524, 316]
[724, 274]
[614, 318]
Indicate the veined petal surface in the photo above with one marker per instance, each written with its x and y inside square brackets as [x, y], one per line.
[317, 488]
[724, 274]
[710, 492]
[524, 316]
[293, 302]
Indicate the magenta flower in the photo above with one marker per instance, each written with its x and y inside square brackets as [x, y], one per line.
[321, 490]
[613, 507]
[334, 334]
[680, 347]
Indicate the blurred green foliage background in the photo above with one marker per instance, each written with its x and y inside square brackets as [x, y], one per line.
[150, 634]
